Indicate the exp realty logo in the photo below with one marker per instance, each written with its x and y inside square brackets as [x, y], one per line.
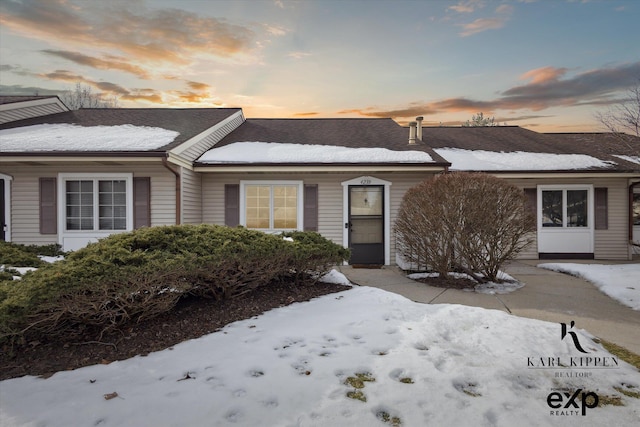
[571, 400]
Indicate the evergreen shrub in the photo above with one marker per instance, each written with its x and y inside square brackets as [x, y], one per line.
[130, 276]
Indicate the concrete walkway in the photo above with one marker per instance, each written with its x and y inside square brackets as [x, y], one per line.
[547, 295]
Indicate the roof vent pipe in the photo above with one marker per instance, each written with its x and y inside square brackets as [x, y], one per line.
[412, 133]
[419, 132]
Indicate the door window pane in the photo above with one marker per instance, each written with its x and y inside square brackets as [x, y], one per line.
[577, 208]
[552, 212]
[636, 208]
[366, 201]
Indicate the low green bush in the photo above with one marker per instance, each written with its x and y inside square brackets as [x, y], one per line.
[15, 255]
[313, 255]
[131, 276]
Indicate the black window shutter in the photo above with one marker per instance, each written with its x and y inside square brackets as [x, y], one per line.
[141, 202]
[311, 207]
[48, 206]
[231, 205]
[602, 209]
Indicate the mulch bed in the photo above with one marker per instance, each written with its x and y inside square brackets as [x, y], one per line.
[448, 282]
[191, 318]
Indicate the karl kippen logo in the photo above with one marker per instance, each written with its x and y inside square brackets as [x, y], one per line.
[574, 337]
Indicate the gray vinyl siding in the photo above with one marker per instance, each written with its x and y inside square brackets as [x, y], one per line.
[192, 152]
[330, 197]
[612, 243]
[191, 197]
[28, 112]
[25, 197]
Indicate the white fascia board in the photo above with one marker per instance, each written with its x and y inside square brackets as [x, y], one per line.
[535, 175]
[316, 168]
[75, 159]
[202, 135]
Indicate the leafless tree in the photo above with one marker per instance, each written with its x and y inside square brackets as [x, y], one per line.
[478, 120]
[81, 96]
[623, 117]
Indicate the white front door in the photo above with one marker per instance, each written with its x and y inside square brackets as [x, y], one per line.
[565, 220]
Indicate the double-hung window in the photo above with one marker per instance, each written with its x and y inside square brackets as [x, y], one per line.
[271, 206]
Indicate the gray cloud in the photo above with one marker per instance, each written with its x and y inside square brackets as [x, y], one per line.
[112, 63]
[27, 90]
[595, 87]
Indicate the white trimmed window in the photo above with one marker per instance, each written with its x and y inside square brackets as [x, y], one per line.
[566, 207]
[271, 205]
[93, 203]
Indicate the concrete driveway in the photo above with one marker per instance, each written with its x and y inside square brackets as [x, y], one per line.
[548, 295]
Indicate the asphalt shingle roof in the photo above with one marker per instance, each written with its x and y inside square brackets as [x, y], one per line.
[602, 146]
[189, 122]
[346, 132]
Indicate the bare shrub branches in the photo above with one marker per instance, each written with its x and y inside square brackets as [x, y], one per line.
[466, 222]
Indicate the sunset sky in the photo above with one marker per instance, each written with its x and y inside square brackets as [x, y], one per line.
[545, 65]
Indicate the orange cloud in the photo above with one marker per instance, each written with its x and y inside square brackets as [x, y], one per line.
[165, 35]
[466, 6]
[154, 98]
[482, 24]
[544, 74]
[312, 113]
[63, 75]
[198, 86]
[503, 13]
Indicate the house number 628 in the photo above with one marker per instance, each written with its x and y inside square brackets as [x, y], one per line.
[365, 181]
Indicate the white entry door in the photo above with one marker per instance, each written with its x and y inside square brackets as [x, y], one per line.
[565, 221]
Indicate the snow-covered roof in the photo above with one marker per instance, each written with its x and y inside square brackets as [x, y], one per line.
[481, 160]
[70, 137]
[272, 152]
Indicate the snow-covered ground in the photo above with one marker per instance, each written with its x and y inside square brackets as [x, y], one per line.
[621, 282]
[440, 365]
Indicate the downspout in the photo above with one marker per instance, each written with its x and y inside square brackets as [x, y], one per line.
[631, 187]
[165, 163]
